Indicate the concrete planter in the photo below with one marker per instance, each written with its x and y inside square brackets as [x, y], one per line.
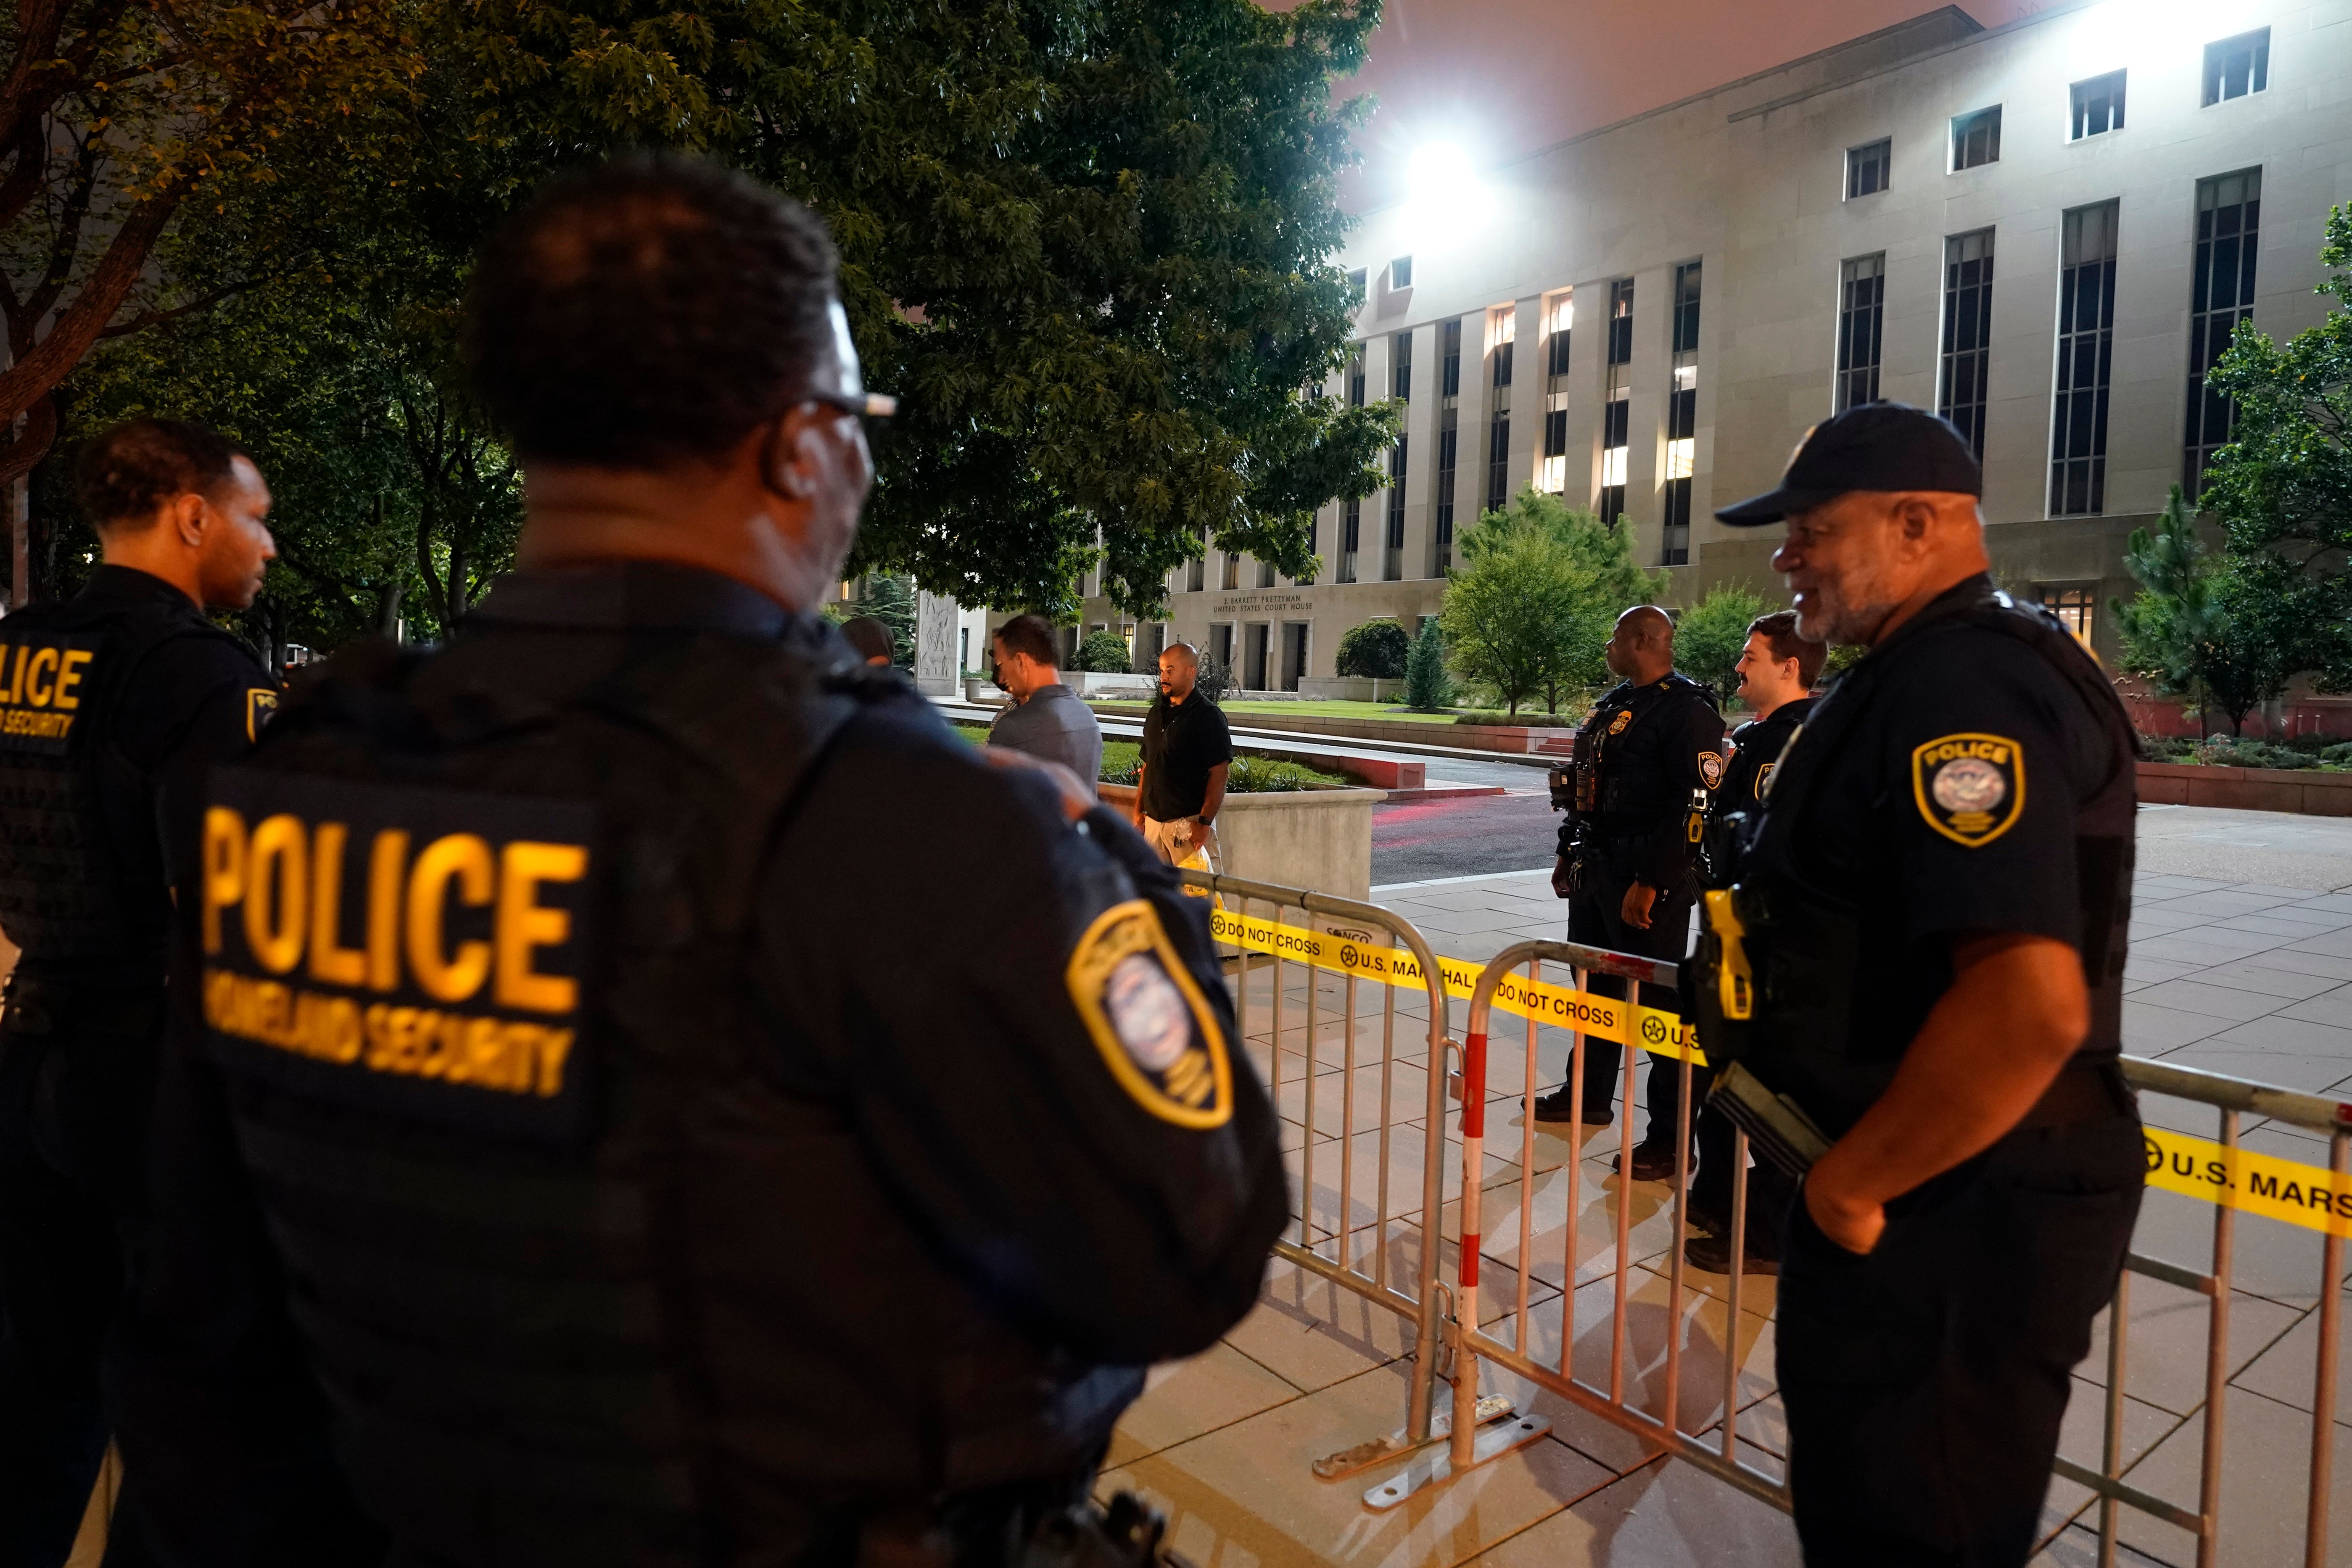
[981, 690]
[2246, 789]
[1346, 689]
[1116, 688]
[1317, 839]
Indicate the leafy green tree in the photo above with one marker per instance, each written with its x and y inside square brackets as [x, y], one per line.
[2225, 632]
[2283, 487]
[890, 599]
[1087, 243]
[1105, 652]
[1712, 633]
[1541, 586]
[1428, 688]
[1377, 649]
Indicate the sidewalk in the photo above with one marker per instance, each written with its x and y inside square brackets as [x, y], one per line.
[2241, 964]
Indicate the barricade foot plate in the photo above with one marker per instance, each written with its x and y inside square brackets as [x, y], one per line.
[1380, 1450]
[1435, 1468]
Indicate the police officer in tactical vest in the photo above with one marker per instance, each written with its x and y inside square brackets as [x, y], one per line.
[1777, 669]
[1646, 761]
[1913, 990]
[111, 705]
[603, 1116]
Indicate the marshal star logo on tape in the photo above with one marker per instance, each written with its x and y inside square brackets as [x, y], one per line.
[1149, 1020]
[1970, 787]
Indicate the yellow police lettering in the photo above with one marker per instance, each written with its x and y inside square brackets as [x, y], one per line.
[387, 865]
[525, 925]
[330, 961]
[40, 677]
[276, 892]
[69, 677]
[224, 873]
[464, 858]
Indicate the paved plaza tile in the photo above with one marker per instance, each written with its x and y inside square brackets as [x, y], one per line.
[2240, 963]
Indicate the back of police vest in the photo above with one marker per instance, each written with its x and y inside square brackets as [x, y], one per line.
[583, 1283]
[76, 888]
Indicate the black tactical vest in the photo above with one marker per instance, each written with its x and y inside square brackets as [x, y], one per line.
[77, 889]
[1800, 940]
[522, 1211]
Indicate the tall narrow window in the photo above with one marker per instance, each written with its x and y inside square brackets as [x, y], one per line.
[1861, 317]
[2098, 105]
[1400, 366]
[1401, 272]
[2086, 332]
[1356, 287]
[1503, 329]
[1392, 546]
[1233, 573]
[1976, 139]
[2236, 66]
[1682, 419]
[1559, 315]
[2221, 295]
[1866, 168]
[1617, 405]
[1351, 534]
[1449, 444]
[1968, 333]
[1356, 377]
[1196, 571]
[1314, 548]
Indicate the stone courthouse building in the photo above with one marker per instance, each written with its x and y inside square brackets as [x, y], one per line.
[2043, 230]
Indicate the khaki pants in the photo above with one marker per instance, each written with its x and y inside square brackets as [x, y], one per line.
[1185, 842]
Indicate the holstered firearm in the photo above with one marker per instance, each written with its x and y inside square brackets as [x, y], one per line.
[1775, 1126]
[1562, 778]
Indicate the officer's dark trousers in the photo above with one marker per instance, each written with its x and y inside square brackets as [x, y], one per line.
[76, 1084]
[1719, 1145]
[1596, 917]
[1925, 1382]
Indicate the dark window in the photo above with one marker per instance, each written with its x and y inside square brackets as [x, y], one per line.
[1686, 307]
[2086, 333]
[1392, 547]
[1356, 286]
[1351, 535]
[1196, 571]
[1356, 377]
[1866, 168]
[1266, 574]
[1498, 422]
[1621, 321]
[1449, 444]
[1449, 359]
[1557, 364]
[1401, 272]
[2236, 66]
[1559, 313]
[1232, 574]
[2098, 105]
[1861, 317]
[1677, 500]
[1613, 422]
[1976, 139]
[2221, 295]
[1556, 434]
[1400, 366]
[1612, 504]
[1616, 403]
[1968, 333]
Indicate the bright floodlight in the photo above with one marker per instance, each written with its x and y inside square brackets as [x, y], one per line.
[1444, 197]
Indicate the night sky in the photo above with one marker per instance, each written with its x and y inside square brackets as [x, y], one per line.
[1505, 78]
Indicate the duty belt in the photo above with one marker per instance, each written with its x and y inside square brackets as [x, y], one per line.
[2084, 1091]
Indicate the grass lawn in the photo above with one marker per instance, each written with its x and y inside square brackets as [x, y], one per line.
[1334, 709]
[1251, 773]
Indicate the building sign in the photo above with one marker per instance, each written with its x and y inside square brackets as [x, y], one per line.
[1266, 604]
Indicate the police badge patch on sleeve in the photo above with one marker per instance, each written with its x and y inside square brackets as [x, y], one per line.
[260, 706]
[1149, 1020]
[1970, 787]
[1710, 768]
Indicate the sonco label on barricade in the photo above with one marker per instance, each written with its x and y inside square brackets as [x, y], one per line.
[416, 953]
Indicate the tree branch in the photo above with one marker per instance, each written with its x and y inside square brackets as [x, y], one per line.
[38, 372]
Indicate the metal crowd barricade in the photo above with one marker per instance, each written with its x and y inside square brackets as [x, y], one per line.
[1331, 1252]
[2235, 1181]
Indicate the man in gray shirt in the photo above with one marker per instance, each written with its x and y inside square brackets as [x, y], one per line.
[1046, 719]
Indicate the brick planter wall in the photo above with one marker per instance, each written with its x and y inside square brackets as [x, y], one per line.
[2247, 789]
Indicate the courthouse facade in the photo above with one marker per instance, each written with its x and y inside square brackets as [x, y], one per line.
[2043, 230]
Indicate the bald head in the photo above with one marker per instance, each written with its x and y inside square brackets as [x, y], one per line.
[1180, 669]
[1642, 649]
[1864, 563]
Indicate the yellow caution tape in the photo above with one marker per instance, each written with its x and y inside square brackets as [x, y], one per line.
[2287, 1190]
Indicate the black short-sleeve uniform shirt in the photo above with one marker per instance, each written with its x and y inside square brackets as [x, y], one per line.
[1756, 752]
[1182, 741]
[1949, 801]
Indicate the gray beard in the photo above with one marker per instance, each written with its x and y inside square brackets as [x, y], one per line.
[1843, 625]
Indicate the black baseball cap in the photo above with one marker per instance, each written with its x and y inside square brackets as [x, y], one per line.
[1870, 447]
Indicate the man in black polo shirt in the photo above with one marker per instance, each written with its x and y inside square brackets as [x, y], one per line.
[1186, 750]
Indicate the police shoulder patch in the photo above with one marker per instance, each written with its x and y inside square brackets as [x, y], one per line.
[1710, 768]
[260, 703]
[1970, 787]
[1764, 780]
[1149, 1019]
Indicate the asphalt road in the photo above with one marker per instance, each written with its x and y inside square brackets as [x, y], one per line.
[1478, 836]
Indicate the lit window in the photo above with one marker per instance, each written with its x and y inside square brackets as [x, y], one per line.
[1682, 420]
[1866, 168]
[2077, 607]
[1613, 467]
[2236, 66]
[1679, 458]
[1555, 471]
[1976, 139]
[2098, 105]
[1560, 316]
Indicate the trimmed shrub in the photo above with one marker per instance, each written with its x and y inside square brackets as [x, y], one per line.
[1103, 653]
[1376, 648]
